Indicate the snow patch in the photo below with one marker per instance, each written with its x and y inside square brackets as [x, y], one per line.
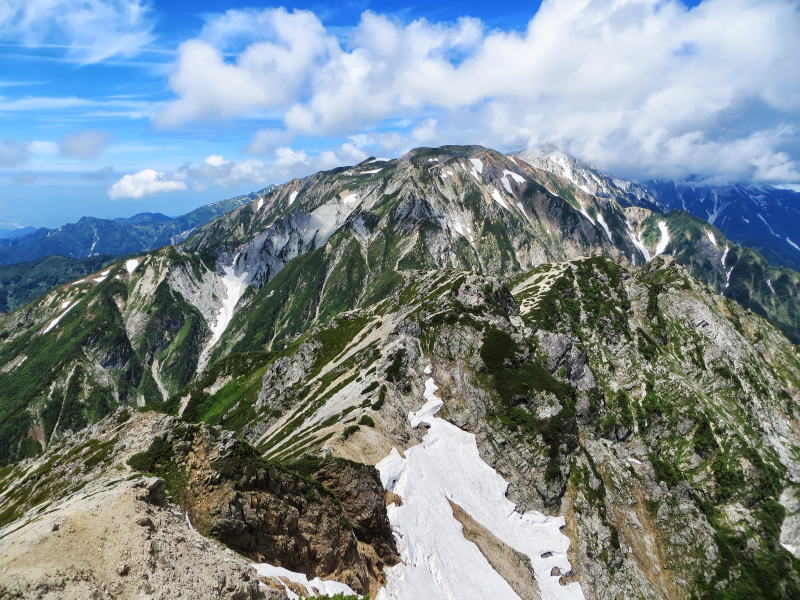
[131, 264]
[292, 197]
[370, 172]
[664, 241]
[727, 271]
[507, 185]
[102, 277]
[478, 164]
[55, 321]
[260, 204]
[499, 199]
[638, 242]
[515, 176]
[792, 244]
[769, 284]
[313, 587]
[438, 562]
[771, 230]
[711, 237]
[234, 286]
[604, 225]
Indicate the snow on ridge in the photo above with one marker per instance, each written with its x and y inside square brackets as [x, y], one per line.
[55, 321]
[478, 164]
[438, 561]
[103, 276]
[131, 265]
[370, 172]
[292, 198]
[313, 587]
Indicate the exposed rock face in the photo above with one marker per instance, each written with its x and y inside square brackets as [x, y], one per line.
[513, 566]
[86, 530]
[333, 526]
[358, 488]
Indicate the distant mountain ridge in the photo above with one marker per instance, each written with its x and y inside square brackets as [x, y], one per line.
[91, 236]
[15, 232]
[762, 217]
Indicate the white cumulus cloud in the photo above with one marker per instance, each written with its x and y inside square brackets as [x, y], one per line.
[283, 163]
[144, 183]
[649, 87]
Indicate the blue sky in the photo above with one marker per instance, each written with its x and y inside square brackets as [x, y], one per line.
[112, 107]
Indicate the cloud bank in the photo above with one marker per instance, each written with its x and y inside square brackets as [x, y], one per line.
[282, 164]
[643, 87]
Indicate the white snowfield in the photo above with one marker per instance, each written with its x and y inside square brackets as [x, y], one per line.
[661, 247]
[664, 241]
[604, 225]
[131, 264]
[234, 286]
[314, 587]
[438, 561]
[55, 321]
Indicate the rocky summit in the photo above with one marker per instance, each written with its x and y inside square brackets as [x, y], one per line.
[456, 374]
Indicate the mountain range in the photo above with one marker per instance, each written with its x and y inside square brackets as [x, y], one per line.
[764, 218]
[454, 374]
[91, 236]
[33, 260]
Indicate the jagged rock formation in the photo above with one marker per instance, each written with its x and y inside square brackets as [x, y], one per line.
[144, 534]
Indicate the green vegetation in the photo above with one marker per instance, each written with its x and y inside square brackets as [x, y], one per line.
[519, 385]
[349, 430]
[367, 421]
[160, 460]
[21, 283]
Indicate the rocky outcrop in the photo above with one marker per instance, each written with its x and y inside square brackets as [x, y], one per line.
[87, 528]
[323, 518]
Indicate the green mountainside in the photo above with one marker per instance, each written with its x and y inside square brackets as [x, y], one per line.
[623, 368]
[91, 236]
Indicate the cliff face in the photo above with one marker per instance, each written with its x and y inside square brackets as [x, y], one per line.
[157, 501]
